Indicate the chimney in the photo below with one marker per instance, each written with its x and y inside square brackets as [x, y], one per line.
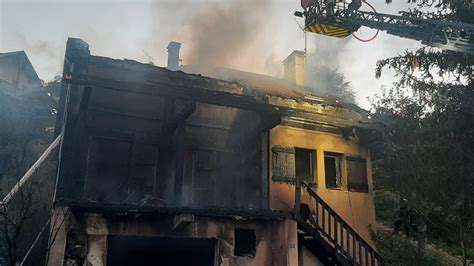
[294, 68]
[173, 55]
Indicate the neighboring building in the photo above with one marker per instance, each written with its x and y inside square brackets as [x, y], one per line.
[17, 75]
[161, 167]
[21, 112]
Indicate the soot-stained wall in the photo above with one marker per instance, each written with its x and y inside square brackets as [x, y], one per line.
[89, 238]
[137, 149]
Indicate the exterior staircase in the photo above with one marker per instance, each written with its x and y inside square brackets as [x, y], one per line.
[327, 235]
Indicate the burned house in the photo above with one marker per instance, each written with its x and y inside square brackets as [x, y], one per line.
[162, 167]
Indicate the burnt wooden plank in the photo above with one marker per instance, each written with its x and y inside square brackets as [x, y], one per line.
[180, 165]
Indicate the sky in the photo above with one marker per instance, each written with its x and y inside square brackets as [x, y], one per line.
[251, 35]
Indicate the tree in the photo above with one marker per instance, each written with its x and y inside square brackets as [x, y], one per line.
[428, 153]
[427, 161]
[25, 215]
[26, 121]
[331, 82]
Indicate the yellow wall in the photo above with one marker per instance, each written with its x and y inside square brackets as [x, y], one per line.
[299, 70]
[356, 208]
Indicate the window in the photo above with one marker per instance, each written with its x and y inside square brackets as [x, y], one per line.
[204, 178]
[332, 169]
[357, 174]
[143, 169]
[304, 163]
[245, 242]
[108, 170]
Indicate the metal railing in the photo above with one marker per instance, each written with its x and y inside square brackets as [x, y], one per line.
[30, 173]
[319, 218]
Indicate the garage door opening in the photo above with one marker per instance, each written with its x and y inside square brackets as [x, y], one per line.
[132, 250]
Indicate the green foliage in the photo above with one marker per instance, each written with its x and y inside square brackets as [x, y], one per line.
[428, 157]
[330, 82]
[452, 248]
[386, 206]
[25, 121]
[428, 153]
[398, 251]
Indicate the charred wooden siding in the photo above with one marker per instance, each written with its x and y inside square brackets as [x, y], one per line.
[222, 158]
[135, 148]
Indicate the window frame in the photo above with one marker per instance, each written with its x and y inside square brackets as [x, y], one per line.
[339, 157]
[312, 180]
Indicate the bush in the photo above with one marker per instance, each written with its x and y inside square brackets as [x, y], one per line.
[386, 206]
[399, 251]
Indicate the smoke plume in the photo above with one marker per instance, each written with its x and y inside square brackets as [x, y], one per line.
[225, 33]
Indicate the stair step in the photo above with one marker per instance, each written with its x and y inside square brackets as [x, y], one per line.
[326, 231]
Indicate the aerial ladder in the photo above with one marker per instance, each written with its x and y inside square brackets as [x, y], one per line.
[339, 18]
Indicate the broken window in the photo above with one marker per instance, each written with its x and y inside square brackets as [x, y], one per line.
[204, 177]
[305, 164]
[143, 169]
[332, 169]
[245, 242]
[357, 174]
[108, 169]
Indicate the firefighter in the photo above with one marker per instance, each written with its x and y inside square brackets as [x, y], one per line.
[330, 5]
[354, 5]
[308, 3]
[404, 218]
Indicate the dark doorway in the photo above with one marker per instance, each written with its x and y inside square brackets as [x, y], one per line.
[132, 250]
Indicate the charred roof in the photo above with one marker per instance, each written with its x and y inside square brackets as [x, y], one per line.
[251, 92]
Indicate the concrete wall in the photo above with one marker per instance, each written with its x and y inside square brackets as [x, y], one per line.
[276, 240]
[306, 258]
[356, 208]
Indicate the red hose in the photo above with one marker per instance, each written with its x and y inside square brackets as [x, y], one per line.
[376, 34]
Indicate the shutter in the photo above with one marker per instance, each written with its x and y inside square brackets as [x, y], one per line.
[283, 159]
[357, 174]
